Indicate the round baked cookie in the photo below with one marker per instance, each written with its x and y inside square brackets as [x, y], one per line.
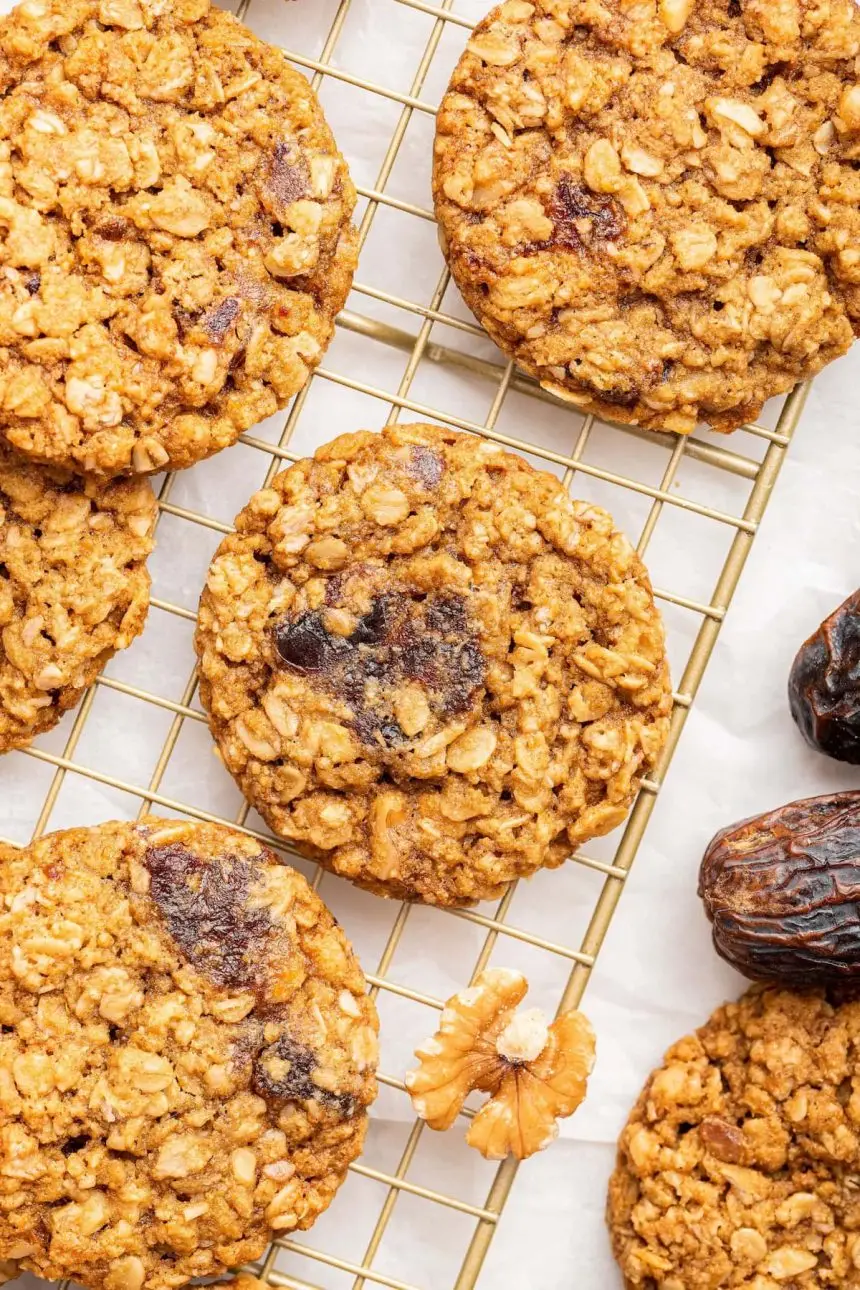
[186, 1059]
[427, 667]
[177, 237]
[738, 1166]
[653, 207]
[74, 587]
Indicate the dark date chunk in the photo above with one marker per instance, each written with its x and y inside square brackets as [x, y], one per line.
[286, 1070]
[218, 320]
[426, 465]
[824, 685]
[782, 891]
[304, 643]
[208, 908]
[400, 639]
[288, 177]
[580, 216]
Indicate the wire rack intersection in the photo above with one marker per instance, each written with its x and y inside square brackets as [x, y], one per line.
[443, 348]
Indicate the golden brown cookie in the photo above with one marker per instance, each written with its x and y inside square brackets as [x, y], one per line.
[653, 207]
[186, 1059]
[73, 587]
[176, 232]
[739, 1164]
[427, 667]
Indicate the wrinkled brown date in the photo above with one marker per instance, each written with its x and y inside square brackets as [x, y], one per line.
[824, 685]
[782, 891]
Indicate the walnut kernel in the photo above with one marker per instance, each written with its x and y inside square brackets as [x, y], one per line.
[534, 1070]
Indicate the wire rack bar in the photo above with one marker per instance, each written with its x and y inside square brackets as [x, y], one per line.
[425, 1193]
[345, 1265]
[337, 74]
[435, 12]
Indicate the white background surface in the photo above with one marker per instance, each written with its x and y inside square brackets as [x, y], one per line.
[657, 976]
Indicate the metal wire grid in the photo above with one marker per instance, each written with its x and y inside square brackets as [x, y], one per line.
[421, 349]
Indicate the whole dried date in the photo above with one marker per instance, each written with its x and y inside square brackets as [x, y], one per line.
[782, 891]
[824, 685]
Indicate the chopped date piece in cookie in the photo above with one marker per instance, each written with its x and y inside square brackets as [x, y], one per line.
[176, 236]
[580, 216]
[738, 1166]
[402, 639]
[206, 903]
[427, 667]
[655, 207]
[73, 587]
[290, 1072]
[535, 1070]
[188, 1053]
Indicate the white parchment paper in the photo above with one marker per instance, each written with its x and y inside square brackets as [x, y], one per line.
[657, 976]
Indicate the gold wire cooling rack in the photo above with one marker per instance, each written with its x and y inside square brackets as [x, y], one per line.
[416, 335]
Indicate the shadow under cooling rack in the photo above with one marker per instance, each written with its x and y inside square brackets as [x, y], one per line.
[411, 354]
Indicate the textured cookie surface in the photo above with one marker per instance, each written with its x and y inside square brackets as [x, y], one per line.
[739, 1164]
[186, 1059]
[653, 204]
[177, 238]
[427, 667]
[73, 587]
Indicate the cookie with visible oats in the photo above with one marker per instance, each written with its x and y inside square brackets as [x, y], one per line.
[427, 667]
[738, 1166]
[176, 232]
[653, 205]
[187, 1054]
[73, 587]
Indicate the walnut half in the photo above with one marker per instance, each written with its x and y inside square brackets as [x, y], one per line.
[534, 1071]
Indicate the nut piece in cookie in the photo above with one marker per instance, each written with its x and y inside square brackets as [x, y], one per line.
[176, 236]
[188, 1053]
[653, 207]
[738, 1165]
[427, 667]
[534, 1070]
[74, 587]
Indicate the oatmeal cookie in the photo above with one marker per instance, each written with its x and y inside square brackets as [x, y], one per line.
[427, 667]
[739, 1164]
[186, 1059]
[177, 237]
[73, 587]
[653, 205]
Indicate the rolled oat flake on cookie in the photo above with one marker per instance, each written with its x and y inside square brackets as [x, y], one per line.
[653, 207]
[188, 1054]
[427, 667]
[175, 236]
